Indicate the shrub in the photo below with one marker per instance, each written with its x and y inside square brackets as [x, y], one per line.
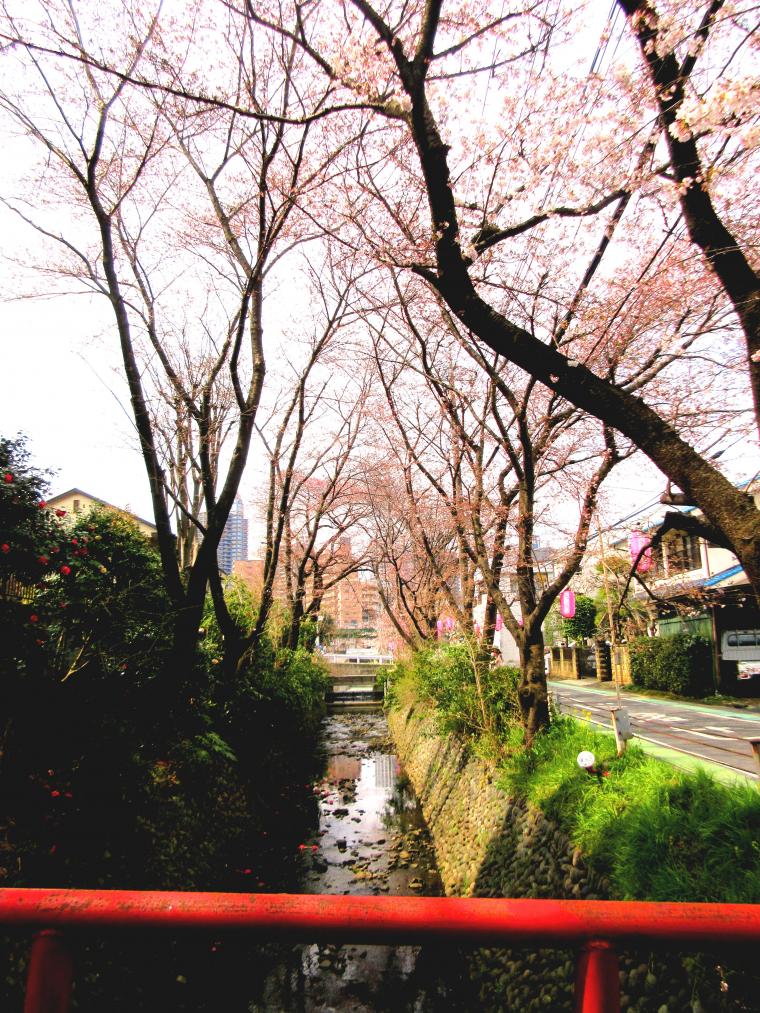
[34, 549]
[467, 699]
[583, 623]
[681, 664]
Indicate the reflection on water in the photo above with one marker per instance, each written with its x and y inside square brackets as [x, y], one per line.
[371, 839]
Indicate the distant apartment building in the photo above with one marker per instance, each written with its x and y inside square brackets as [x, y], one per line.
[251, 572]
[233, 544]
[353, 603]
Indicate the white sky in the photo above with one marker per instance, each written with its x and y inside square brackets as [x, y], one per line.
[61, 388]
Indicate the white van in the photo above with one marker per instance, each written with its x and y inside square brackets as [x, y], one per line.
[743, 647]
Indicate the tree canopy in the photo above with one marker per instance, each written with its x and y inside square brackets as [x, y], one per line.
[565, 194]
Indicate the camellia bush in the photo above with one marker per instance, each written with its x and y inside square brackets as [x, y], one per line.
[34, 551]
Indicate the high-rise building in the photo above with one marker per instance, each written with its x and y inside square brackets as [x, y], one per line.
[234, 541]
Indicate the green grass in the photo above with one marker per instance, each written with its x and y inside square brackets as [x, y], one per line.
[658, 833]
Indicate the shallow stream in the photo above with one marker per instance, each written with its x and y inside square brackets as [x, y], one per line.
[371, 839]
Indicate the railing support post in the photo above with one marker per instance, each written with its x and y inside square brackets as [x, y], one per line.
[51, 973]
[597, 985]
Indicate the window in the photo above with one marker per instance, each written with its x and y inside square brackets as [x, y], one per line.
[683, 553]
[77, 506]
[509, 584]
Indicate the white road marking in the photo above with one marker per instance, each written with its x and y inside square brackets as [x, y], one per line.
[658, 717]
[701, 733]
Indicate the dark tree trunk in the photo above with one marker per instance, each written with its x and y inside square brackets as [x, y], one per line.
[532, 691]
[296, 619]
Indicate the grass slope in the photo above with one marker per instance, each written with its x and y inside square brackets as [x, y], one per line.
[658, 833]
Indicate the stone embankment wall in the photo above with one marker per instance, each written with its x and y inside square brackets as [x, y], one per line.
[488, 845]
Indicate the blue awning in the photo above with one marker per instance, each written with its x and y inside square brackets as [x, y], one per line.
[718, 578]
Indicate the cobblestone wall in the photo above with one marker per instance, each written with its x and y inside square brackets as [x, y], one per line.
[488, 845]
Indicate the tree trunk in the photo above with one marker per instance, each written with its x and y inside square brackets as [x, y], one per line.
[296, 618]
[532, 692]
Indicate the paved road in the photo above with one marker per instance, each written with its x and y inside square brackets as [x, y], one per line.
[717, 735]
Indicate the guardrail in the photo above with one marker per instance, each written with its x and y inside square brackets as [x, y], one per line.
[597, 928]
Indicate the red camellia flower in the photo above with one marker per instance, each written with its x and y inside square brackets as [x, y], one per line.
[65, 570]
[74, 541]
[42, 504]
[43, 560]
[60, 513]
[8, 477]
[34, 618]
[5, 547]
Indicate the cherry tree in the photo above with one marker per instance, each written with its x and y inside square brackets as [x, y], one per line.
[179, 215]
[411, 550]
[320, 505]
[499, 453]
[312, 420]
[690, 113]
[471, 148]
[461, 200]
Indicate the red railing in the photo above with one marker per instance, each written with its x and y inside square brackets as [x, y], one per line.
[597, 928]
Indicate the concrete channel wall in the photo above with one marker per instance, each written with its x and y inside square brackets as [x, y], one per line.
[488, 845]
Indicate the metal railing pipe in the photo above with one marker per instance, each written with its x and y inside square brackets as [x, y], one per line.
[388, 919]
[595, 927]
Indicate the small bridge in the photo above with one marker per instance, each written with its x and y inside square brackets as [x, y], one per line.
[357, 678]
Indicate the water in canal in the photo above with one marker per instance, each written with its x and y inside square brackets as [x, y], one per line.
[370, 840]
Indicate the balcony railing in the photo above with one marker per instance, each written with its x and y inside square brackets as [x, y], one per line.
[596, 928]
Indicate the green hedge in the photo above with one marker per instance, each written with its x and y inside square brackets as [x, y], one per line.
[680, 664]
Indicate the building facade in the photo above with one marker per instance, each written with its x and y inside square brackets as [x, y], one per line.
[233, 544]
[77, 501]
